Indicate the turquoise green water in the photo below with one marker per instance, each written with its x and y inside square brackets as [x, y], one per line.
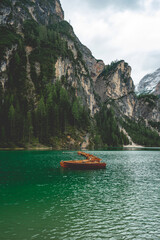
[39, 200]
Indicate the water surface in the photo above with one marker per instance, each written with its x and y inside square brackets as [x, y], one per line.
[39, 200]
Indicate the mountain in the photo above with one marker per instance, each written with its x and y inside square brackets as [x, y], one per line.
[53, 91]
[150, 83]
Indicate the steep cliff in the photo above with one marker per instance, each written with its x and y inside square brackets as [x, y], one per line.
[16, 12]
[115, 84]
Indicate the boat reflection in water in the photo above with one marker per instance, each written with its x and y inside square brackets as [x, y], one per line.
[91, 162]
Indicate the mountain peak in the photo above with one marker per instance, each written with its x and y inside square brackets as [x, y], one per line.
[150, 83]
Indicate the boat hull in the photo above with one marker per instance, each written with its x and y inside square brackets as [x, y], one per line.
[80, 165]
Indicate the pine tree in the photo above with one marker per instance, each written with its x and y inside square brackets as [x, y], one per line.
[50, 114]
[41, 120]
[11, 117]
[29, 127]
[64, 106]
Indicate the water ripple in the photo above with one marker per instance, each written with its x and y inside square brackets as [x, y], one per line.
[121, 202]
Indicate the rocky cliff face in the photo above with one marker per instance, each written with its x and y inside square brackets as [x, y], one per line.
[150, 84]
[44, 12]
[147, 109]
[84, 74]
[4, 64]
[117, 85]
[78, 78]
[14, 13]
[118, 82]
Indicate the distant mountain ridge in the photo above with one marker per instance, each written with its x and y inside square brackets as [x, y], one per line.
[150, 84]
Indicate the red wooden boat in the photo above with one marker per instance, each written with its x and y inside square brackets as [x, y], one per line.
[91, 162]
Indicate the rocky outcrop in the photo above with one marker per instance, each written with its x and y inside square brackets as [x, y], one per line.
[147, 109]
[4, 63]
[126, 105]
[117, 85]
[58, 10]
[43, 12]
[117, 82]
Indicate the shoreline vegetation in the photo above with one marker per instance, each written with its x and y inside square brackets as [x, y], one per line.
[45, 148]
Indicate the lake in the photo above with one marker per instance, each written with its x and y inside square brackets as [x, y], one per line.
[39, 200]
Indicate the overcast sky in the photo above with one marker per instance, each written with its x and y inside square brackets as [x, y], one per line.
[119, 29]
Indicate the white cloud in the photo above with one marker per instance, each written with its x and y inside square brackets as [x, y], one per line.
[112, 33]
